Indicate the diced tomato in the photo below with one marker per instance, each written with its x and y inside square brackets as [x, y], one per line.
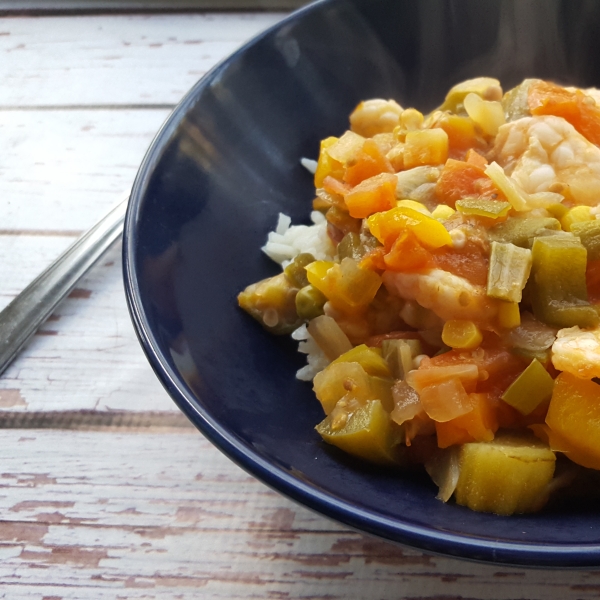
[474, 158]
[491, 358]
[407, 254]
[461, 179]
[335, 186]
[374, 260]
[452, 434]
[478, 425]
[546, 98]
[470, 262]
[445, 400]
[372, 195]
[370, 162]
[498, 368]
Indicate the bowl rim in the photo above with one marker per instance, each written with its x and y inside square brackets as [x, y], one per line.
[418, 537]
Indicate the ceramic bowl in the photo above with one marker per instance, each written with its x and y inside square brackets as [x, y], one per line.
[211, 186]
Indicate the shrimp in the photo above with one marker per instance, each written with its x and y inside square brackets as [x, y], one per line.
[375, 116]
[577, 352]
[446, 294]
[545, 153]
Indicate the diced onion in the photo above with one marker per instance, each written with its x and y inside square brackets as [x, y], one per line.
[329, 336]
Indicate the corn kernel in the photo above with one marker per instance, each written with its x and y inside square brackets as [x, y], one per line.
[578, 214]
[461, 334]
[411, 119]
[442, 212]
[414, 205]
[509, 316]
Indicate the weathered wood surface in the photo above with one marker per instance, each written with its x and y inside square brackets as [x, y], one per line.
[142, 506]
[115, 61]
[164, 515]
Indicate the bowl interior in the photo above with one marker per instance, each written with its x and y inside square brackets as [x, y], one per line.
[211, 187]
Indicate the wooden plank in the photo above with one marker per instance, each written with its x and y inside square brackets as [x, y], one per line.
[86, 357]
[156, 515]
[63, 170]
[115, 60]
[52, 6]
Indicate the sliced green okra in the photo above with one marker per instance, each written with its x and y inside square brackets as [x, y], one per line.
[508, 271]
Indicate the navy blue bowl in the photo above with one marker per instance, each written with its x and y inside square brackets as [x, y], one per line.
[210, 188]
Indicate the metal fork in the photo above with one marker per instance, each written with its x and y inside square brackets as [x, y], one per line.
[22, 317]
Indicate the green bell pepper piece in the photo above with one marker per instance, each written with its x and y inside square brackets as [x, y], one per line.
[520, 231]
[589, 234]
[480, 207]
[559, 293]
[532, 387]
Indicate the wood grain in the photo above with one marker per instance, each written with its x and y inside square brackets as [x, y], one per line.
[115, 60]
[49, 7]
[164, 515]
[86, 356]
[144, 506]
[61, 171]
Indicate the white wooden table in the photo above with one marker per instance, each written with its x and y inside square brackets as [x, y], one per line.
[126, 499]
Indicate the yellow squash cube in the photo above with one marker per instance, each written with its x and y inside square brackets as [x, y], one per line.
[508, 475]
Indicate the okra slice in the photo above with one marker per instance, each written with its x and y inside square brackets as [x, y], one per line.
[399, 355]
[367, 433]
[508, 271]
[272, 302]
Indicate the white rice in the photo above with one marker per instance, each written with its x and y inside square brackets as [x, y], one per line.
[316, 358]
[287, 241]
[309, 164]
[283, 244]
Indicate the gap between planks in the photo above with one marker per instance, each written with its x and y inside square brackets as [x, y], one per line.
[91, 420]
[117, 106]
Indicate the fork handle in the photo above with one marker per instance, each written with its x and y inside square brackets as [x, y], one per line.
[22, 317]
